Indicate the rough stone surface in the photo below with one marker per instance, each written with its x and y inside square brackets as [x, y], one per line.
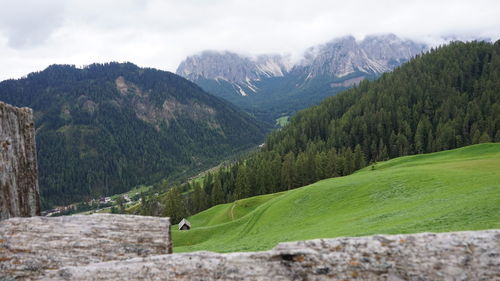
[19, 195]
[30, 246]
[427, 256]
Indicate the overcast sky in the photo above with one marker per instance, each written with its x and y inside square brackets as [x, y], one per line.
[161, 33]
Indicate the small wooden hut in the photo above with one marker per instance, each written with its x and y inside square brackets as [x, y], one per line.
[184, 225]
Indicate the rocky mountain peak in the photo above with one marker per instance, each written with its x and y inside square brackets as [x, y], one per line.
[233, 67]
[217, 65]
[391, 48]
[337, 58]
[373, 55]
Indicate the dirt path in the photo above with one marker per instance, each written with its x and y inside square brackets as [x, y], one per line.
[232, 211]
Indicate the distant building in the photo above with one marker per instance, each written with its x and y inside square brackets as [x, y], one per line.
[184, 225]
[104, 200]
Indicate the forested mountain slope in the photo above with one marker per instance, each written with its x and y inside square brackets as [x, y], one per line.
[444, 99]
[107, 127]
[447, 98]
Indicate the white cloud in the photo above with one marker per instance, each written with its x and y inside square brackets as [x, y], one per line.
[30, 22]
[158, 33]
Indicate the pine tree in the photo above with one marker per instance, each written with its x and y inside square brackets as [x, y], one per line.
[430, 141]
[359, 158]
[275, 173]
[217, 194]
[349, 162]
[393, 145]
[321, 164]
[288, 171]
[382, 151]
[262, 175]
[331, 170]
[476, 136]
[340, 164]
[208, 182]
[421, 135]
[174, 205]
[301, 166]
[497, 136]
[242, 189]
[403, 145]
[204, 200]
[484, 138]
[196, 204]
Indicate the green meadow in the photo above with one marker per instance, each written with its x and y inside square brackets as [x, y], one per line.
[445, 191]
[282, 121]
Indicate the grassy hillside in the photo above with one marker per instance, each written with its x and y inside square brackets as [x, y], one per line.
[444, 191]
[444, 99]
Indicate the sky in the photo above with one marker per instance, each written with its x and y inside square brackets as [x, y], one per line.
[161, 33]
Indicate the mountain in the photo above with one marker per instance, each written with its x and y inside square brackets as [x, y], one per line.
[272, 85]
[105, 128]
[231, 67]
[345, 56]
[439, 192]
[444, 99]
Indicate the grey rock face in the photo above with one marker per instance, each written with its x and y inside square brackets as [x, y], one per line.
[337, 58]
[31, 246]
[343, 56]
[217, 65]
[389, 47]
[232, 67]
[19, 194]
[473, 255]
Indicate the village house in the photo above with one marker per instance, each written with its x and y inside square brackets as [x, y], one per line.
[105, 200]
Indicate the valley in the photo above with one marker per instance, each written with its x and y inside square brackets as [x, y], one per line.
[250, 140]
[106, 128]
[439, 101]
[352, 130]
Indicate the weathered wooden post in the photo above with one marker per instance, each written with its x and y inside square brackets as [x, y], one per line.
[19, 195]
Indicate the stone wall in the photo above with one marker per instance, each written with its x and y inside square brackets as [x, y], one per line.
[426, 256]
[49, 253]
[19, 195]
[31, 246]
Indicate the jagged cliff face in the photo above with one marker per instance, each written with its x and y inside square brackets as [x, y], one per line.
[19, 195]
[344, 56]
[240, 71]
[214, 65]
[337, 58]
[390, 49]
